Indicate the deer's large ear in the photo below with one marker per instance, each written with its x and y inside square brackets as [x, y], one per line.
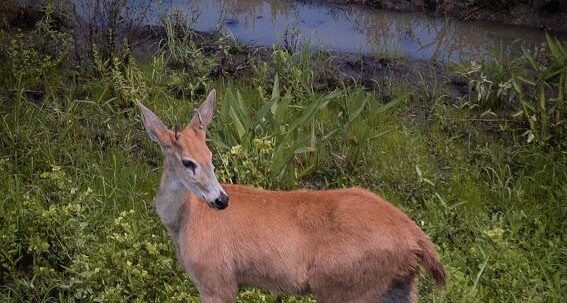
[153, 125]
[204, 115]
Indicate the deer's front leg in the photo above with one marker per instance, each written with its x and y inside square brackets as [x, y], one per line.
[215, 287]
[216, 299]
[217, 294]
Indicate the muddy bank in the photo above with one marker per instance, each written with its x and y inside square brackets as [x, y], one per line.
[374, 72]
[548, 15]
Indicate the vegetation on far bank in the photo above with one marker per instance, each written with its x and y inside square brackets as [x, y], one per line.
[484, 174]
[544, 14]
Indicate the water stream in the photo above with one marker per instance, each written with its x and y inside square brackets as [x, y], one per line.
[356, 29]
[349, 28]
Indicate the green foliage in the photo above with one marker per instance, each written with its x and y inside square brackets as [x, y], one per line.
[123, 77]
[278, 140]
[142, 253]
[544, 96]
[189, 67]
[300, 72]
[267, 143]
[34, 55]
[535, 86]
[48, 232]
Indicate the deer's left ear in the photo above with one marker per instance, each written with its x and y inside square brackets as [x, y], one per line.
[204, 115]
[154, 127]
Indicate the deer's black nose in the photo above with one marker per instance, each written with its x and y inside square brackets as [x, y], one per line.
[221, 202]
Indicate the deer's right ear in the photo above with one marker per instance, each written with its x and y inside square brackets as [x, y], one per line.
[153, 125]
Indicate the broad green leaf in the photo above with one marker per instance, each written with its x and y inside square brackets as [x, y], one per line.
[237, 124]
[312, 108]
[556, 49]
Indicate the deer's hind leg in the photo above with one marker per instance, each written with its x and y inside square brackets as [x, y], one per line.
[401, 292]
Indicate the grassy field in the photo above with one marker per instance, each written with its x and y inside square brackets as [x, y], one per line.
[485, 174]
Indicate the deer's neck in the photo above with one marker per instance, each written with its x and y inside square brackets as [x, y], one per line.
[171, 203]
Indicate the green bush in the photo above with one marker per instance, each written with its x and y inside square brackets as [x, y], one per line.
[535, 87]
[300, 72]
[34, 55]
[135, 254]
[188, 66]
[264, 144]
[42, 229]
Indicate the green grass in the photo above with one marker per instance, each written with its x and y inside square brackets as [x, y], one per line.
[78, 174]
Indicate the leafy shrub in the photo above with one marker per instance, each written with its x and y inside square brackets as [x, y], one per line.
[270, 141]
[188, 66]
[535, 87]
[279, 140]
[41, 234]
[51, 248]
[126, 80]
[543, 95]
[145, 260]
[34, 55]
[300, 73]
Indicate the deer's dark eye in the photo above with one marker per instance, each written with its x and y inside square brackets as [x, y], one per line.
[189, 164]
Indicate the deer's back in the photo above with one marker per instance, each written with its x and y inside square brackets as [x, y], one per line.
[316, 214]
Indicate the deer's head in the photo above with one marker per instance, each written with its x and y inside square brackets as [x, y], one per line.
[188, 160]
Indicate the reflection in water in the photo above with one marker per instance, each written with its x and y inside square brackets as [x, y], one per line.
[358, 29]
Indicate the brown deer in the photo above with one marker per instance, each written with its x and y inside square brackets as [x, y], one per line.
[344, 245]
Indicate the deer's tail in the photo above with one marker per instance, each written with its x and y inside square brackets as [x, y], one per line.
[430, 261]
